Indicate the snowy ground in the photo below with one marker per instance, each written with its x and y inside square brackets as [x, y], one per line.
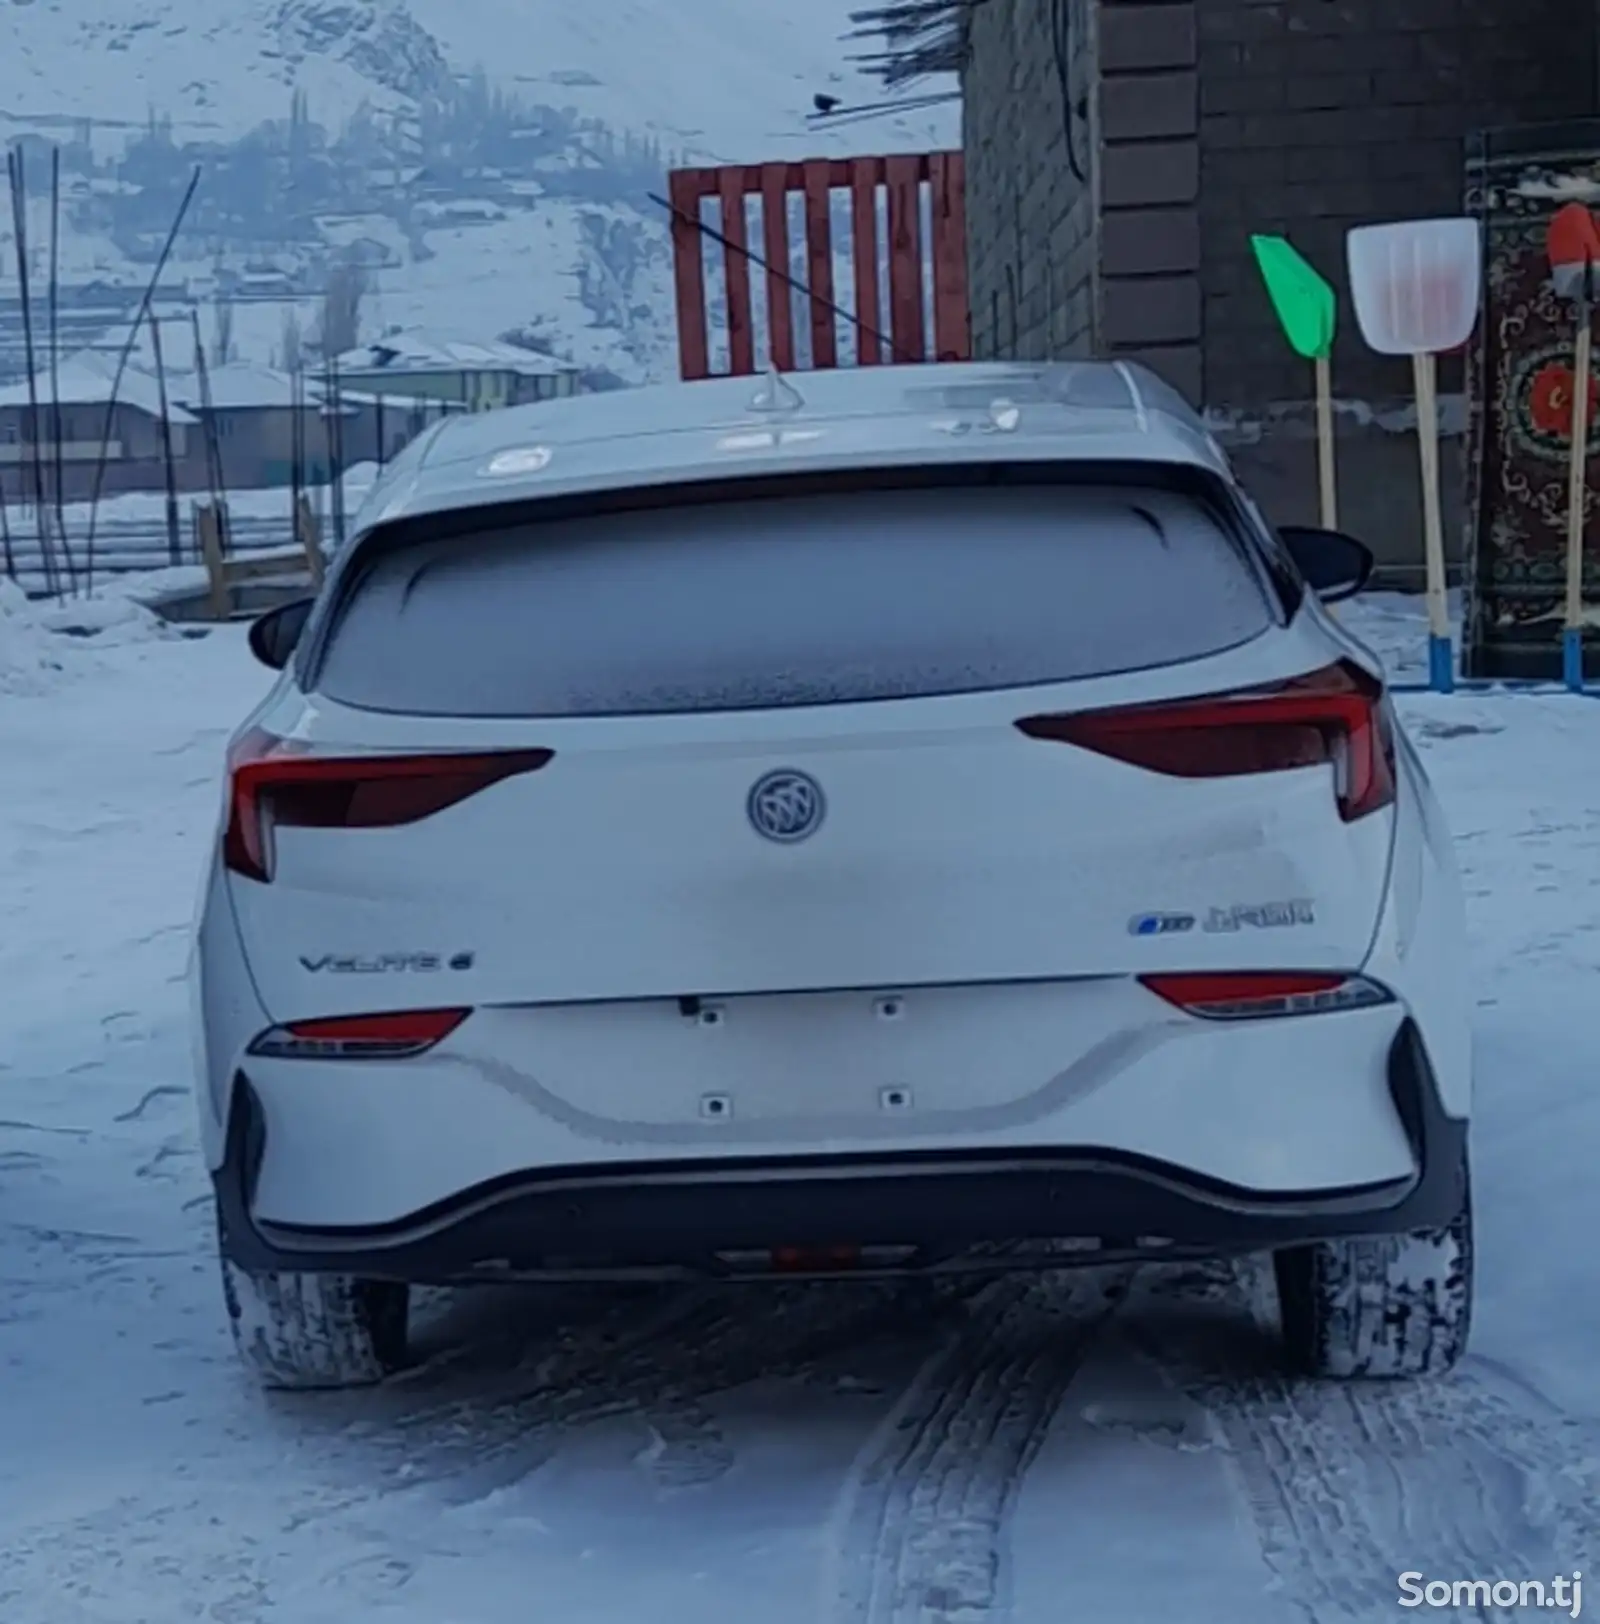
[1024, 1452]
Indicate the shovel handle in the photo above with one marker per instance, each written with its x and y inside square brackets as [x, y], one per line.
[1424, 370]
[1578, 469]
[1327, 484]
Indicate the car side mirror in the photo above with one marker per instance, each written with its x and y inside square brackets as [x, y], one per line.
[1336, 566]
[275, 635]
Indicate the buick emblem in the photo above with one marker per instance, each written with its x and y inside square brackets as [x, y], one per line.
[786, 806]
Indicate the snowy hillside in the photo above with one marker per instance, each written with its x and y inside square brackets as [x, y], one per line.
[728, 79]
[493, 160]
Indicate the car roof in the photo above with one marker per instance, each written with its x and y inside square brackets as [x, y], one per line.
[839, 418]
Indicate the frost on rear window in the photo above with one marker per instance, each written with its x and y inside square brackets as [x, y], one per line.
[793, 600]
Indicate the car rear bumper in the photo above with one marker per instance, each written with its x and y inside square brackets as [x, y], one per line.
[929, 1211]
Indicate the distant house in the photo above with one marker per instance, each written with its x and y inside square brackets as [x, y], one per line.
[374, 428]
[474, 375]
[127, 434]
[261, 423]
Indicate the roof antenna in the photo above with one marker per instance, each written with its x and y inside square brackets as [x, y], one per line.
[776, 394]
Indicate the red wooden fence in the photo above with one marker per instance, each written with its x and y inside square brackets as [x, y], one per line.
[908, 183]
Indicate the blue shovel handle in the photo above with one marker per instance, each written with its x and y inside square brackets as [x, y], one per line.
[1441, 665]
[1572, 658]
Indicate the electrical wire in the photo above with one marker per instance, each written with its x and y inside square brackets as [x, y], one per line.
[875, 110]
[1062, 39]
[865, 329]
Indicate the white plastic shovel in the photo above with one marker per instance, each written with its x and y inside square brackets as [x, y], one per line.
[1415, 286]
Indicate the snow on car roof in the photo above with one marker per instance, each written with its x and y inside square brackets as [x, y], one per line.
[855, 417]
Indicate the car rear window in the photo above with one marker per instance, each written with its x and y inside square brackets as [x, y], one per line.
[787, 600]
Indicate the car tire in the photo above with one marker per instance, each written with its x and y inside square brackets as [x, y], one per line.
[1379, 1307]
[310, 1331]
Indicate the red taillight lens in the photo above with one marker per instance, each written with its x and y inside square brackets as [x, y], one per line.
[1234, 995]
[278, 782]
[1337, 716]
[360, 1037]
[814, 1259]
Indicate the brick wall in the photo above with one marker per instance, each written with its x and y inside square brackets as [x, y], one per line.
[1030, 218]
[1319, 115]
[1147, 123]
[1194, 123]
[1198, 122]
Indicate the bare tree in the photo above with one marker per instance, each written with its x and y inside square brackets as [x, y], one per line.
[348, 285]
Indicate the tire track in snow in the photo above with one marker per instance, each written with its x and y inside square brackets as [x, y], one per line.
[1351, 1484]
[655, 1362]
[658, 1367]
[920, 1531]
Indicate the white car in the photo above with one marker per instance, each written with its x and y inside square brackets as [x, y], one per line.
[885, 820]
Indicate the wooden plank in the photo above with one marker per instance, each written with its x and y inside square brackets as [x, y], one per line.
[694, 185]
[910, 258]
[218, 597]
[952, 316]
[903, 177]
[819, 263]
[736, 272]
[305, 525]
[775, 244]
[865, 174]
[688, 274]
[278, 566]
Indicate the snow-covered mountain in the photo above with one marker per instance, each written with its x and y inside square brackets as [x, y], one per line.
[579, 254]
[730, 79]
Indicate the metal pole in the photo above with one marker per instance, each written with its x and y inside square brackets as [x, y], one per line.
[169, 466]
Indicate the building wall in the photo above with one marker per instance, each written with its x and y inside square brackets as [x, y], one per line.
[256, 446]
[1202, 121]
[1030, 219]
[1083, 207]
[136, 454]
[1316, 117]
[374, 433]
[134, 433]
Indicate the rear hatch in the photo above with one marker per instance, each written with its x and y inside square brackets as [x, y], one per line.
[803, 739]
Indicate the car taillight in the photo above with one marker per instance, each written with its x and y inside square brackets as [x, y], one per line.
[282, 783]
[1235, 995]
[1336, 716]
[360, 1037]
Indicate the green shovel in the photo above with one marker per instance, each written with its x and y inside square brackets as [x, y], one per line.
[1306, 308]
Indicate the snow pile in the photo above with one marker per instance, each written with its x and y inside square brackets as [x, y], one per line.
[43, 645]
[112, 621]
[30, 661]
